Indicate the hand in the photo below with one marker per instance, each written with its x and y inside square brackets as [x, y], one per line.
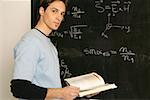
[70, 92]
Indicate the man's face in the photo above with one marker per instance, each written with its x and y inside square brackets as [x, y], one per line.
[54, 14]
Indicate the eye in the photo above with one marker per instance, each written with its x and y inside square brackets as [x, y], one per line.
[54, 10]
[63, 13]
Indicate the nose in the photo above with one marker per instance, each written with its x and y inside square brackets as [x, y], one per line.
[59, 17]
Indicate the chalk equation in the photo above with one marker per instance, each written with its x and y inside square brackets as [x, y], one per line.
[58, 34]
[75, 31]
[124, 52]
[76, 12]
[110, 25]
[64, 69]
[115, 6]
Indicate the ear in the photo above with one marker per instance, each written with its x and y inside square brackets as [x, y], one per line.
[41, 11]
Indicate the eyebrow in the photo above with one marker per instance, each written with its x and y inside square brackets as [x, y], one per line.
[57, 9]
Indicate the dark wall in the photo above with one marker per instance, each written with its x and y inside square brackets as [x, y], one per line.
[112, 38]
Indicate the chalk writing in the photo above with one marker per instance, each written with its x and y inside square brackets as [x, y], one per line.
[115, 6]
[75, 31]
[126, 54]
[109, 25]
[92, 51]
[64, 69]
[58, 34]
[76, 13]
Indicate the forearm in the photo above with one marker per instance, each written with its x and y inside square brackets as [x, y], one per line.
[54, 93]
[26, 90]
[66, 93]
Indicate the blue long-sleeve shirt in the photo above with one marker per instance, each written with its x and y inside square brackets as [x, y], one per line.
[36, 60]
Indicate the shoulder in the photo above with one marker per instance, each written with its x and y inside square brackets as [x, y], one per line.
[29, 38]
[28, 41]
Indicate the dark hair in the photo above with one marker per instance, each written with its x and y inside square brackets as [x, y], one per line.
[45, 4]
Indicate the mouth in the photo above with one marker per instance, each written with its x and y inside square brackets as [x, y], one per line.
[56, 23]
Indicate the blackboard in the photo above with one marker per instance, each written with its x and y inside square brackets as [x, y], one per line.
[110, 37]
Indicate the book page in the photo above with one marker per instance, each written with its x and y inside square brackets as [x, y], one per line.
[98, 89]
[86, 82]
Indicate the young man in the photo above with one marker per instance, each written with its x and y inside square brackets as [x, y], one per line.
[36, 67]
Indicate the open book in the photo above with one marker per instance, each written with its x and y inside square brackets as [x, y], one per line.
[89, 84]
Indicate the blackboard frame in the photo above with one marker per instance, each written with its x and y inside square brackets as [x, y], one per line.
[34, 11]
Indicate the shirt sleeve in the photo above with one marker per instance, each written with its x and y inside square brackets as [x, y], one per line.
[26, 55]
[26, 90]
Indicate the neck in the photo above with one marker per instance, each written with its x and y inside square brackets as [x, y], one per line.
[42, 27]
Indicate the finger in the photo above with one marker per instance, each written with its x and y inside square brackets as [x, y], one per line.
[74, 95]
